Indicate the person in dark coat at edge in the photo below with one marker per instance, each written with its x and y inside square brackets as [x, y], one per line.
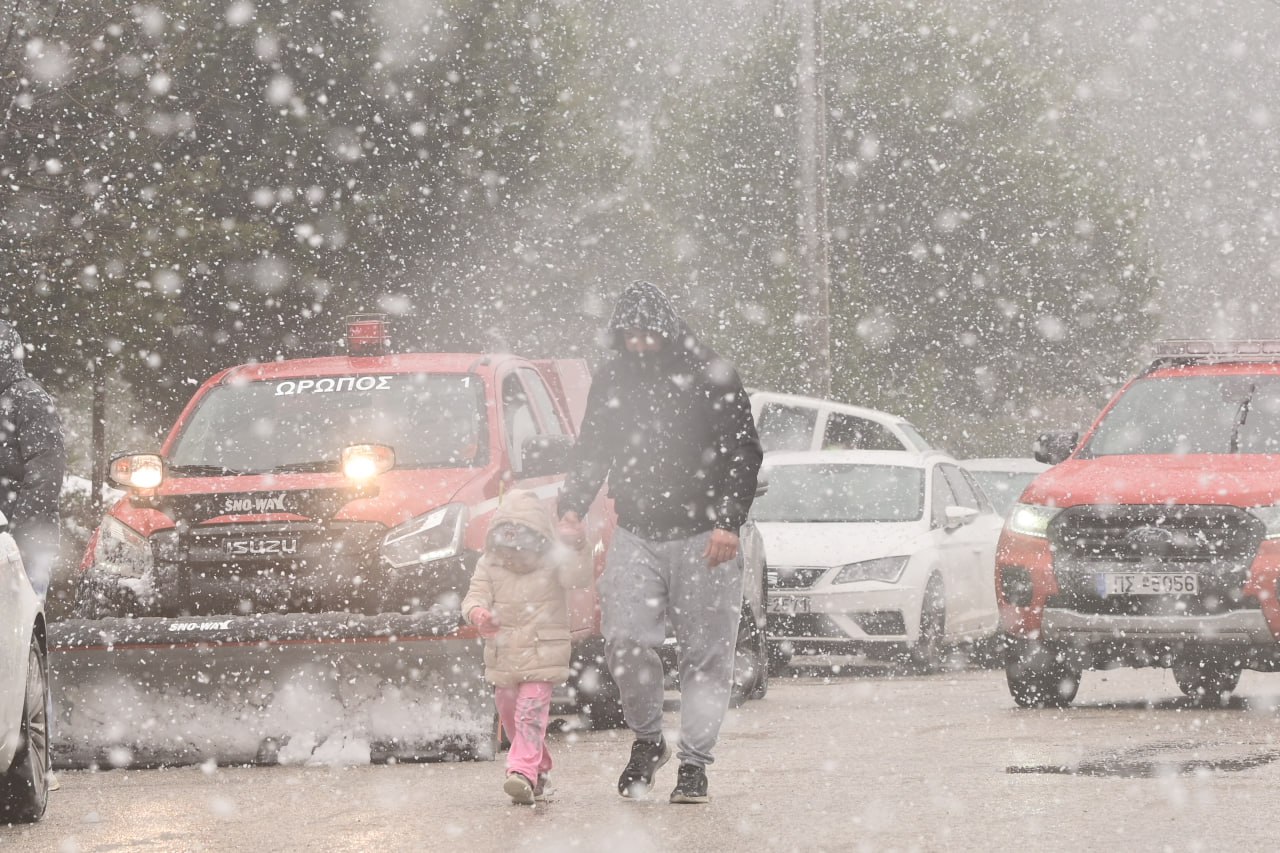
[669, 424]
[32, 462]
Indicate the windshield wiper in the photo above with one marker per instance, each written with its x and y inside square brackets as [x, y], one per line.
[204, 470]
[301, 467]
[1242, 412]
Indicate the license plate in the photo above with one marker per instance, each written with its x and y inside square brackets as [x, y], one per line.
[1148, 583]
[788, 605]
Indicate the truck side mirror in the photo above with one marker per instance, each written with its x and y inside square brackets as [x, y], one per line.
[1053, 447]
[545, 455]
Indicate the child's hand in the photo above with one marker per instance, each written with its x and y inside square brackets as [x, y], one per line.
[486, 623]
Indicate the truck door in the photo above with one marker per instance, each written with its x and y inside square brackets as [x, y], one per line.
[530, 411]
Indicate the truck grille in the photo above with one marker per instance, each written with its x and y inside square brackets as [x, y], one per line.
[1216, 543]
[792, 577]
[297, 567]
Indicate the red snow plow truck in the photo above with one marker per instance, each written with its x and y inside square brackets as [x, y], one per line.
[281, 580]
[1154, 541]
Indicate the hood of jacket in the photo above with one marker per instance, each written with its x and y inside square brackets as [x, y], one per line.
[11, 355]
[643, 306]
[523, 507]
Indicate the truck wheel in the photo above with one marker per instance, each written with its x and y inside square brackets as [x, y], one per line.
[927, 654]
[1040, 676]
[1206, 679]
[597, 694]
[24, 788]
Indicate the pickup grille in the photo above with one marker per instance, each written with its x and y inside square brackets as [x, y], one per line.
[296, 567]
[1216, 543]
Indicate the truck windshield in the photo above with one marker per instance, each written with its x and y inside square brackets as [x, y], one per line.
[1192, 414]
[841, 493]
[429, 420]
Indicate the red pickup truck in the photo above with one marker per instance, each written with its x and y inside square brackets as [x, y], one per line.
[326, 514]
[1155, 539]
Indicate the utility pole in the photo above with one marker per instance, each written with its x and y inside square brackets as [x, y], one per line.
[815, 270]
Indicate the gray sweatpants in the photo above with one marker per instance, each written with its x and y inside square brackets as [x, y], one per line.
[645, 583]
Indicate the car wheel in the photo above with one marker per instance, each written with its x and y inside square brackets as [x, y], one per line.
[597, 694]
[1040, 676]
[24, 789]
[1206, 679]
[750, 666]
[927, 654]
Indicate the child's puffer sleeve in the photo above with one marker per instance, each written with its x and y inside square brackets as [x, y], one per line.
[480, 592]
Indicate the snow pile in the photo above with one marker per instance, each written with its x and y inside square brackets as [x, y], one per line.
[305, 718]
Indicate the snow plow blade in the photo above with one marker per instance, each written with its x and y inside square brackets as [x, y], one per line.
[326, 688]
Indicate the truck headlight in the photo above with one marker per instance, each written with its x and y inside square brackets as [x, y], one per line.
[1270, 518]
[121, 550]
[1032, 519]
[887, 569]
[433, 536]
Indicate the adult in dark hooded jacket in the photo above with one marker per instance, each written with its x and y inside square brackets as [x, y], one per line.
[669, 425]
[32, 462]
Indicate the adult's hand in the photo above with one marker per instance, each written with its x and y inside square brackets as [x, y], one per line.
[572, 531]
[721, 547]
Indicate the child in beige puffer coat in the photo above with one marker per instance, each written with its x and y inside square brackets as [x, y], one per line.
[517, 600]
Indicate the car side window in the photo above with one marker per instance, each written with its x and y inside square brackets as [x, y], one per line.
[941, 497]
[965, 495]
[786, 427]
[984, 502]
[846, 432]
[517, 417]
[542, 403]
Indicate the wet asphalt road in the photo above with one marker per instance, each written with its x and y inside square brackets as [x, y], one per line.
[827, 761]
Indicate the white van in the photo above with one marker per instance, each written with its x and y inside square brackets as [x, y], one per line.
[792, 422]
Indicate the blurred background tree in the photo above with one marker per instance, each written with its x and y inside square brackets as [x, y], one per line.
[188, 186]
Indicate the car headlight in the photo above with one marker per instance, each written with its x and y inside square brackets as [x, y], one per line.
[887, 569]
[426, 538]
[121, 550]
[1270, 518]
[1032, 519]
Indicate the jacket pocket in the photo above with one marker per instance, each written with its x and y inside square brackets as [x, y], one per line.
[553, 647]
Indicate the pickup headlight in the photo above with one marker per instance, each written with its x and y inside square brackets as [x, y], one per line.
[887, 569]
[1032, 519]
[121, 550]
[1270, 518]
[427, 538]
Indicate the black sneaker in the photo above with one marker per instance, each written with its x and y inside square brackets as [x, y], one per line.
[691, 785]
[646, 758]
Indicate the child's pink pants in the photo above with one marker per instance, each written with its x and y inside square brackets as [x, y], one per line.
[523, 710]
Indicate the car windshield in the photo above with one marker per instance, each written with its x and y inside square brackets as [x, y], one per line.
[1003, 487]
[842, 493]
[1192, 414]
[429, 420]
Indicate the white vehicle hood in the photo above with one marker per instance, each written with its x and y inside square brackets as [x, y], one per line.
[835, 544]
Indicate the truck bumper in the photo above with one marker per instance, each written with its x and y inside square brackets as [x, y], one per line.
[1237, 628]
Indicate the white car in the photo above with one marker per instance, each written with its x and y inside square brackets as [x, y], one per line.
[1003, 479]
[24, 692]
[792, 422]
[885, 553]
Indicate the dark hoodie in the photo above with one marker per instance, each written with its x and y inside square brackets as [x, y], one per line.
[672, 430]
[32, 459]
